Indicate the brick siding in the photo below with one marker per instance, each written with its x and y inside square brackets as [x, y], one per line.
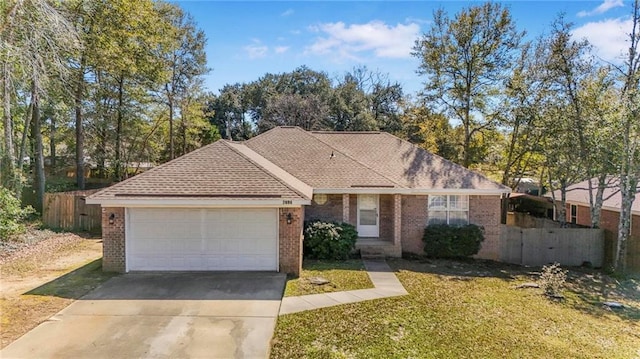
[290, 239]
[329, 211]
[113, 240]
[485, 211]
[386, 217]
[414, 219]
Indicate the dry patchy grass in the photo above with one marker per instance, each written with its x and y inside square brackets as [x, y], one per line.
[467, 310]
[44, 279]
[343, 275]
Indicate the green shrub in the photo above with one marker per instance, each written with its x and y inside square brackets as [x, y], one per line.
[11, 214]
[324, 240]
[445, 241]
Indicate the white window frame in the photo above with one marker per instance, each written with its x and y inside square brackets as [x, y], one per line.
[447, 208]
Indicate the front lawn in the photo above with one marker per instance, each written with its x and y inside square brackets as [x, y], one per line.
[40, 279]
[469, 310]
[343, 275]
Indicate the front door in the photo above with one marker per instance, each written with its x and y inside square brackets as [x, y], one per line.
[368, 209]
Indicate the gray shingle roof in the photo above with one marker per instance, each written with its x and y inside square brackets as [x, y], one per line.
[216, 170]
[363, 158]
[288, 163]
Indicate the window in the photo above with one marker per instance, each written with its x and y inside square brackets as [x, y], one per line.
[574, 214]
[449, 209]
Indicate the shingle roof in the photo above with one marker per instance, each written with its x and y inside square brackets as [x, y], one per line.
[578, 193]
[217, 170]
[288, 163]
[306, 157]
[407, 164]
[374, 159]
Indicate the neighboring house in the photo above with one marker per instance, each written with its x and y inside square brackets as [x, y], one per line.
[578, 212]
[241, 205]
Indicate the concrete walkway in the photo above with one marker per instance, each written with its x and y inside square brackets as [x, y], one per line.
[385, 281]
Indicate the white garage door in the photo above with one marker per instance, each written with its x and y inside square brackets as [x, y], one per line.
[202, 239]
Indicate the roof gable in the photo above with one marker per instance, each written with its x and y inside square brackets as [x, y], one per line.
[219, 170]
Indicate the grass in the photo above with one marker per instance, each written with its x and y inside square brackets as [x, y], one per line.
[45, 280]
[466, 310]
[343, 275]
[24, 312]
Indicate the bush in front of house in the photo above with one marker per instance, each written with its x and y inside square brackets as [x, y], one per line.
[12, 216]
[445, 241]
[326, 240]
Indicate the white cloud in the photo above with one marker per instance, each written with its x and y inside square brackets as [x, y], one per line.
[609, 37]
[288, 12]
[256, 50]
[602, 8]
[281, 49]
[417, 20]
[347, 41]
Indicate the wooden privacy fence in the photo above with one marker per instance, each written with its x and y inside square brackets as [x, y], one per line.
[633, 250]
[540, 246]
[68, 210]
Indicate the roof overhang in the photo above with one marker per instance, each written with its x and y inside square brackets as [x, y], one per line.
[410, 191]
[198, 202]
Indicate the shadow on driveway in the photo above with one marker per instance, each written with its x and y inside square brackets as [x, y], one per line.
[192, 286]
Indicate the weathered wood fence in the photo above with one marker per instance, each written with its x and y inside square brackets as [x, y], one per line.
[633, 250]
[68, 210]
[540, 246]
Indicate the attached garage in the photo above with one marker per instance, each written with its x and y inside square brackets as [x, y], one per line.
[222, 207]
[202, 239]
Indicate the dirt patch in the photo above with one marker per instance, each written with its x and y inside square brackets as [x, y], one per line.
[42, 275]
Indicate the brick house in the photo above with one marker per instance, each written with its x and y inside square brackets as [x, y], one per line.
[578, 212]
[241, 205]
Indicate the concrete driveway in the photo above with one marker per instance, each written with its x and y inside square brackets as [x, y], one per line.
[163, 315]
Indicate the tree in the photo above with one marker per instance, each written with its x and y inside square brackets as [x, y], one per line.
[524, 95]
[185, 60]
[464, 60]
[308, 112]
[629, 166]
[431, 131]
[38, 42]
[350, 107]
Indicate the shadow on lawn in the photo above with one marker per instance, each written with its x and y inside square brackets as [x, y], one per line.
[76, 283]
[586, 288]
[462, 269]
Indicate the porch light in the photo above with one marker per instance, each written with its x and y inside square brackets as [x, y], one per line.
[112, 218]
[289, 218]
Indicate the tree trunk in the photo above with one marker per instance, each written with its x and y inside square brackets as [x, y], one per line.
[79, 131]
[596, 205]
[118, 166]
[628, 191]
[172, 153]
[52, 142]
[184, 133]
[9, 158]
[25, 135]
[39, 177]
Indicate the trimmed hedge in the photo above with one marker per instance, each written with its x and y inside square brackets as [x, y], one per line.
[328, 240]
[445, 241]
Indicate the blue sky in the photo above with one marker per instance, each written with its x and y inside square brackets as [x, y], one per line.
[248, 39]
